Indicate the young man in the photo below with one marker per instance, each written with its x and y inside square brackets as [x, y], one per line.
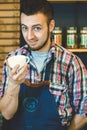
[50, 92]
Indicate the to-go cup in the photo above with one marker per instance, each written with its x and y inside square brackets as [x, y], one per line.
[18, 60]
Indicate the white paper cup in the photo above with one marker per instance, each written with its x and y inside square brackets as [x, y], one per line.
[17, 60]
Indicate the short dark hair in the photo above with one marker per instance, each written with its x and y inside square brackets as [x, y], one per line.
[30, 7]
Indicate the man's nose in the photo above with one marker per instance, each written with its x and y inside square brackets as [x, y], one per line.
[30, 34]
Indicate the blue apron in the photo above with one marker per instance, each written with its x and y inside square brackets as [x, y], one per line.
[37, 110]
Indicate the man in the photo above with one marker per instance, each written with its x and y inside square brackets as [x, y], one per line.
[50, 92]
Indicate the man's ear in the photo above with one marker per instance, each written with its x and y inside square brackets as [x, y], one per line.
[51, 25]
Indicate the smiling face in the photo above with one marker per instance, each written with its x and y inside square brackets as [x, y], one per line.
[36, 31]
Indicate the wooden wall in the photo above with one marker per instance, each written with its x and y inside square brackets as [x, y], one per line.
[9, 28]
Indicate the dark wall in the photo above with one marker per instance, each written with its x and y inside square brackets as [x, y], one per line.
[71, 13]
[83, 57]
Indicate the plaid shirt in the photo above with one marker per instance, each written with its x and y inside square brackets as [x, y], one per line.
[68, 80]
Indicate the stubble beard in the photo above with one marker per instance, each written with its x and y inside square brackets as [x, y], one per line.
[42, 45]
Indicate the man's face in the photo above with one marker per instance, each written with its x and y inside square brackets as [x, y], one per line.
[36, 31]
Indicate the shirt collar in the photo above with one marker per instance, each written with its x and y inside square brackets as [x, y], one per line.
[51, 51]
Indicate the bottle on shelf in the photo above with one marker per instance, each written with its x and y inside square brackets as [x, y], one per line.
[71, 37]
[83, 37]
[57, 35]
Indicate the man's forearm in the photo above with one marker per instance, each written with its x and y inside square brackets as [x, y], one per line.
[9, 104]
[77, 122]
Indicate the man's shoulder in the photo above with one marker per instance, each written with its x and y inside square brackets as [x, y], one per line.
[18, 51]
[63, 52]
[65, 57]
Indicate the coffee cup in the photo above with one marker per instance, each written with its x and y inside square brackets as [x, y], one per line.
[18, 60]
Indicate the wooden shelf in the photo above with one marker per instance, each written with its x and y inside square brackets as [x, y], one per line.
[78, 50]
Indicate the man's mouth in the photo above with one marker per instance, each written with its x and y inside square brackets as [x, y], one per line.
[33, 43]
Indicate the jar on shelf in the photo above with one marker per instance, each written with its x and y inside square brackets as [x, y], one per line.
[83, 37]
[72, 37]
[57, 35]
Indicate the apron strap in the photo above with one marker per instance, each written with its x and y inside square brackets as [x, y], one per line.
[48, 68]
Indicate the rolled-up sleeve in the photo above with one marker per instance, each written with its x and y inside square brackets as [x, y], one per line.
[4, 83]
[79, 87]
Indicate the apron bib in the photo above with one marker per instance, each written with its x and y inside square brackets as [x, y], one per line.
[37, 111]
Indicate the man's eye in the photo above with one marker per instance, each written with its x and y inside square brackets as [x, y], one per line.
[24, 28]
[37, 28]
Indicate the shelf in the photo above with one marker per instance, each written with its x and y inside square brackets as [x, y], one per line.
[67, 0]
[78, 50]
